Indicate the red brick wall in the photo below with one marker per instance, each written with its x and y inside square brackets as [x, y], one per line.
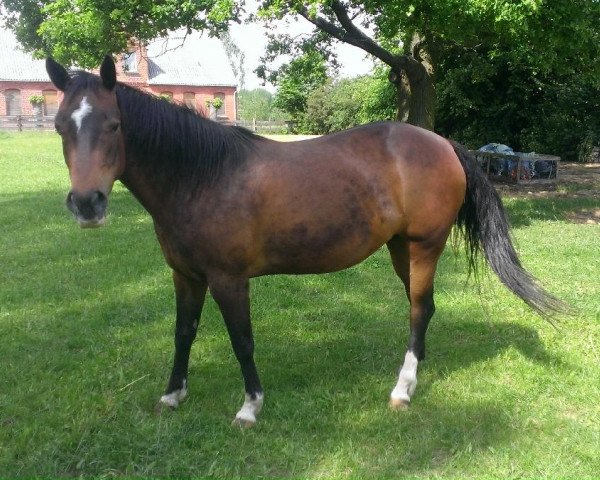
[137, 79]
[202, 94]
[27, 90]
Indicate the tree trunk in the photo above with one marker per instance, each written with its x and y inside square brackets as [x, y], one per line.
[421, 111]
[412, 76]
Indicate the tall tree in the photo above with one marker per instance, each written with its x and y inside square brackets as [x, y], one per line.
[257, 104]
[297, 80]
[410, 36]
[83, 31]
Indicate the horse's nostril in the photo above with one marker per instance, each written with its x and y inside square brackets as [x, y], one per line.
[69, 201]
[88, 206]
[99, 200]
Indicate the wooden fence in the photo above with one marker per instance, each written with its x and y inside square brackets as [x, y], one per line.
[41, 122]
[26, 122]
[264, 126]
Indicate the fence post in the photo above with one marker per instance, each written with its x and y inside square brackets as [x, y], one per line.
[19, 123]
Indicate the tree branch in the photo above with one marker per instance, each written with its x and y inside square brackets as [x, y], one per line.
[349, 33]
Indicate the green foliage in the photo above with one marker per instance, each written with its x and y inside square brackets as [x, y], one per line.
[547, 38]
[296, 80]
[257, 104]
[83, 31]
[483, 99]
[216, 103]
[345, 103]
[36, 99]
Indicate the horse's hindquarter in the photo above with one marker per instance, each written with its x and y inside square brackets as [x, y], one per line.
[433, 182]
[329, 203]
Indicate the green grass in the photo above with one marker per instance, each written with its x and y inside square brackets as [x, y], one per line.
[86, 321]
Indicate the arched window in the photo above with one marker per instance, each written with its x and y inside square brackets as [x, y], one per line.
[189, 100]
[167, 96]
[12, 97]
[50, 102]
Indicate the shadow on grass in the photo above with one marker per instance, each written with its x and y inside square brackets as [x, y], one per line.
[47, 258]
[523, 211]
[328, 350]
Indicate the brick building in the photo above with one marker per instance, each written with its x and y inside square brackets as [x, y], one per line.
[193, 72]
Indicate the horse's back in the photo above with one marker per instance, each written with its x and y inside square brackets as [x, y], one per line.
[407, 171]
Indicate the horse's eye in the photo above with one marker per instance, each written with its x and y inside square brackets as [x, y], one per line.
[113, 127]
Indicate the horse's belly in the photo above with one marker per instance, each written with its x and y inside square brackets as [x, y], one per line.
[309, 248]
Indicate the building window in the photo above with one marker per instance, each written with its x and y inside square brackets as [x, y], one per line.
[12, 98]
[166, 95]
[130, 62]
[50, 102]
[220, 112]
[189, 100]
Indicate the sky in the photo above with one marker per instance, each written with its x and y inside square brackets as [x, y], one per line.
[251, 39]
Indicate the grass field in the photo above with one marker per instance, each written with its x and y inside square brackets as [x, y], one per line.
[86, 322]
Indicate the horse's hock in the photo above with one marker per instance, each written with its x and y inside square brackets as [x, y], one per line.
[519, 167]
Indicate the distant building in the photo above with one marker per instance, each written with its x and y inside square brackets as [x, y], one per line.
[193, 72]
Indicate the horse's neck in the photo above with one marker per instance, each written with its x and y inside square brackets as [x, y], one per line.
[155, 196]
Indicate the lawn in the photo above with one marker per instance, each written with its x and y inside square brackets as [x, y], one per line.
[86, 322]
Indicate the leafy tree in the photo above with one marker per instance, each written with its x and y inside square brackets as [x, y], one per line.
[296, 80]
[83, 31]
[258, 104]
[346, 103]
[412, 36]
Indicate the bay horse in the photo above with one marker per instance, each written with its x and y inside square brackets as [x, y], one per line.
[229, 205]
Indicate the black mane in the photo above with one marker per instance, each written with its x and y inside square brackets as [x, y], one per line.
[173, 140]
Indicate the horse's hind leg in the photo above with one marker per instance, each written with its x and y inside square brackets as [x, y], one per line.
[415, 264]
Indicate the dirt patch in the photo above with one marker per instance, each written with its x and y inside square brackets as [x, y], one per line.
[585, 215]
[575, 180]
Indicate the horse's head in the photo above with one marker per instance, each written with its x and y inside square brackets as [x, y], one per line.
[89, 123]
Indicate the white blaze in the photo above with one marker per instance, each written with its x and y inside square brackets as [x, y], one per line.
[83, 111]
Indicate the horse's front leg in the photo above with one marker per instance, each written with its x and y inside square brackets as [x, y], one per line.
[189, 295]
[232, 296]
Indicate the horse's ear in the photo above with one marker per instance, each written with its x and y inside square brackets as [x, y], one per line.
[57, 73]
[108, 73]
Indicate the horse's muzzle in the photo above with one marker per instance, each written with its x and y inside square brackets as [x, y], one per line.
[89, 209]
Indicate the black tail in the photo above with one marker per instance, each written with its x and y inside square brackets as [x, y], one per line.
[484, 224]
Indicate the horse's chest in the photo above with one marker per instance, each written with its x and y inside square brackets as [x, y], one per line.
[178, 251]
